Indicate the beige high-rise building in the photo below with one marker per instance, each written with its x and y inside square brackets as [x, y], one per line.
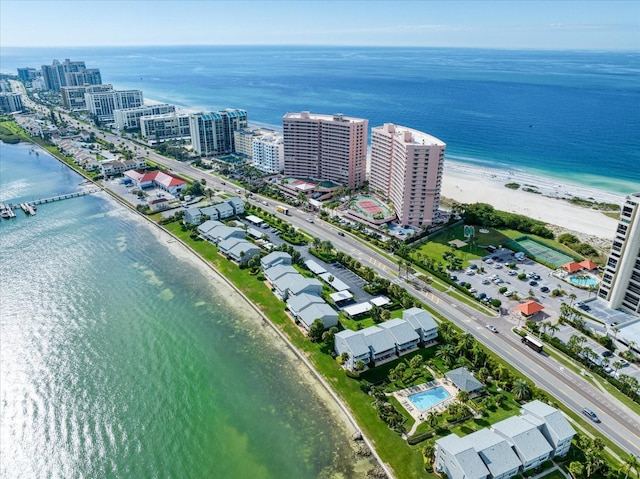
[406, 169]
[620, 286]
[325, 147]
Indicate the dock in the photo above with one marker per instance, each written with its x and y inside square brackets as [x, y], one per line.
[29, 207]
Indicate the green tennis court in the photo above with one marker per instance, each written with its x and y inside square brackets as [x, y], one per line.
[542, 252]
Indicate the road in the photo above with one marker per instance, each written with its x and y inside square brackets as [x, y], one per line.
[619, 423]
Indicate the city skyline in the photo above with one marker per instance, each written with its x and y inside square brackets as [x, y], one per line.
[590, 25]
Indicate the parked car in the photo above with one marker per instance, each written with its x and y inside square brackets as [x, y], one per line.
[544, 289]
[486, 281]
[591, 415]
[453, 277]
[606, 354]
[533, 283]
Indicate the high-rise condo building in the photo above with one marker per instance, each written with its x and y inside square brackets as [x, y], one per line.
[212, 133]
[406, 169]
[171, 126]
[103, 104]
[73, 97]
[325, 147]
[129, 118]
[10, 102]
[268, 153]
[620, 286]
[28, 74]
[69, 73]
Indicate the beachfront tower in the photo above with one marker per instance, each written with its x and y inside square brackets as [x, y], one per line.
[212, 133]
[325, 147]
[406, 169]
[69, 73]
[620, 285]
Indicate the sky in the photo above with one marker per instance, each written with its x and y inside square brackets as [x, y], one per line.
[541, 24]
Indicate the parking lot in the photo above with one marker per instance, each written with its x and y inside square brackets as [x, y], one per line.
[488, 275]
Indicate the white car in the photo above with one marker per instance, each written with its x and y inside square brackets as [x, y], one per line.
[492, 328]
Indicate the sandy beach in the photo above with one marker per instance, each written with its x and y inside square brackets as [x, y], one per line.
[472, 184]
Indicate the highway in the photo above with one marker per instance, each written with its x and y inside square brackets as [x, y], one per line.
[619, 423]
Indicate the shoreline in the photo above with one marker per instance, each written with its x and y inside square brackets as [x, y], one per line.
[471, 184]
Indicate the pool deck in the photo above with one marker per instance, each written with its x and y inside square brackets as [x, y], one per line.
[420, 415]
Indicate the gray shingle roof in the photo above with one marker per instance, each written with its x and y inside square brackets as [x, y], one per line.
[321, 311]
[494, 450]
[525, 437]
[299, 302]
[401, 331]
[464, 461]
[303, 284]
[378, 339]
[464, 380]
[419, 318]
[277, 257]
[554, 419]
[354, 341]
[279, 270]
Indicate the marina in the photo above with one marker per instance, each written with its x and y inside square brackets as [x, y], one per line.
[29, 207]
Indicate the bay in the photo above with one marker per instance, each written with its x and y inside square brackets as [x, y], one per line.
[570, 115]
[123, 358]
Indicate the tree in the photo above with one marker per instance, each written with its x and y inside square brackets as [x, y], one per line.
[553, 329]
[521, 389]
[462, 396]
[429, 450]
[344, 357]
[447, 354]
[432, 418]
[316, 330]
[630, 463]
[359, 365]
[576, 469]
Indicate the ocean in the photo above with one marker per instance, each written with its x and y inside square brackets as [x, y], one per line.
[568, 115]
[122, 360]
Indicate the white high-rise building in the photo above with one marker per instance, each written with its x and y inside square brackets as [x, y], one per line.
[103, 104]
[620, 286]
[73, 97]
[325, 147]
[129, 118]
[406, 169]
[159, 128]
[268, 153]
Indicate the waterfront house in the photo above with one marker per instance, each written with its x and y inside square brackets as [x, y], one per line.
[158, 204]
[223, 232]
[306, 308]
[306, 285]
[193, 216]
[238, 249]
[210, 211]
[295, 304]
[405, 337]
[275, 258]
[169, 183]
[284, 282]
[553, 426]
[526, 439]
[495, 452]
[278, 270]
[380, 342]
[207, 227]
[423, 323]
[225, 210]
[458, 459]
[352, 343]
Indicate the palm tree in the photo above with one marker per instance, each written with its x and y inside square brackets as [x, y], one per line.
[631, 463]
[462, 396]
[572, 297]
[416, 362]
[576, 469]
[465, 344]
[521, 389]
[616, 366]
[553, 329]
[432, 418]
[447, 354]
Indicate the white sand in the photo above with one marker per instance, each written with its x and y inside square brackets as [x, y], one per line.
[471, 184]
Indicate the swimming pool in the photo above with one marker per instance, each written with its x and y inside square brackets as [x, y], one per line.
[584, 281]
[428, 398]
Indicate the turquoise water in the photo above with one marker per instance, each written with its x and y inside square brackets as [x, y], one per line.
[585, 282]
[570, 115]
[426, 399]
[122, 360]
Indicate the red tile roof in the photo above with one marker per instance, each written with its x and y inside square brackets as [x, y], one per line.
[586, 264]
[529, 308]
[572, 267]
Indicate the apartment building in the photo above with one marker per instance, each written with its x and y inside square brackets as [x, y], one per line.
[129, 118]
[171, 126]
[69, 73]
[10, 102]
[73, 97]
[212, 133]
[325, 147]
[406, 169]
[620, 286]
[268, 153]
[244, 137]
[103, 104]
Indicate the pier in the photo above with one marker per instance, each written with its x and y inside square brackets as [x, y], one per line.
[29, 206]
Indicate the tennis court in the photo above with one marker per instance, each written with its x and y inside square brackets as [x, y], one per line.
[541, 252]
[370, 207]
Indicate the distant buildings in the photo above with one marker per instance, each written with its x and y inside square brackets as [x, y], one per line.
[103, 104]
[10, 102]
[509, 447]
[620, 286]
[28, 74]
[212, 133]
[129, 118]
[171, 126]
[406, 169]
[69, 73]
[325, 147]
